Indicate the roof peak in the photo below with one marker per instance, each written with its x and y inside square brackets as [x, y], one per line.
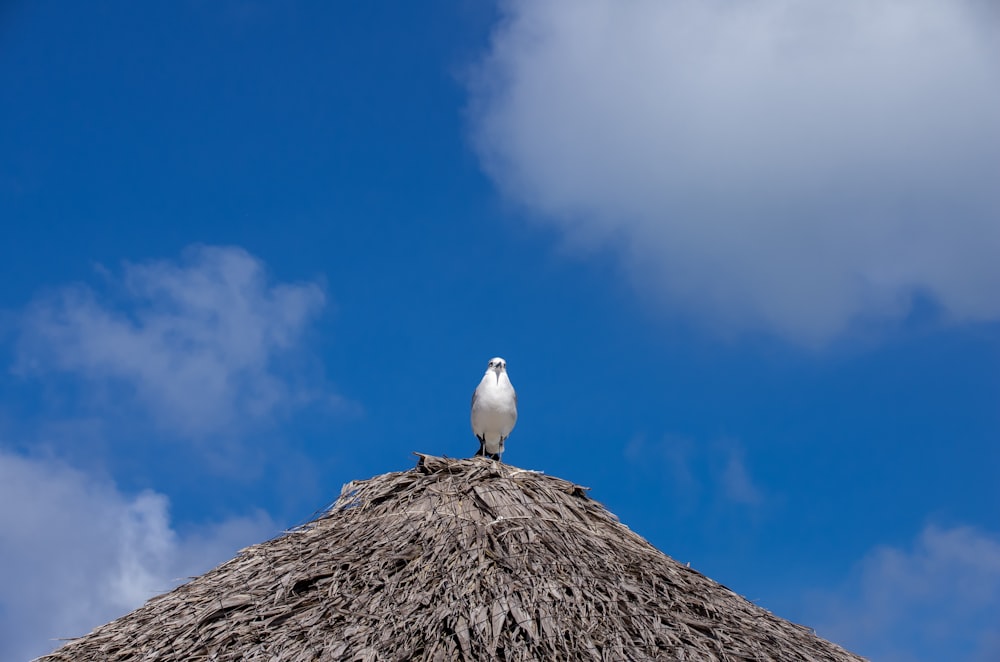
[454, 559]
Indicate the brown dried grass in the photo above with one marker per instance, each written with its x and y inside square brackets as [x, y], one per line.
[453, 560]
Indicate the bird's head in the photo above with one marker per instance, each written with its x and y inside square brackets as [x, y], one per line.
[497, 365]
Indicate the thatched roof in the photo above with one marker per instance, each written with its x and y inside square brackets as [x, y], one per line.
[453, 560]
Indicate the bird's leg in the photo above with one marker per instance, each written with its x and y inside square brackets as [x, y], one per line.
[482, 447]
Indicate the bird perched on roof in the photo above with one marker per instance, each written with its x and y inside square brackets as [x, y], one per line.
[494, 409]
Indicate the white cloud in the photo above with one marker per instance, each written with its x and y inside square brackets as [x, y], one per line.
[198, 342]
[937, 600]
[793, 167]
[75, 552]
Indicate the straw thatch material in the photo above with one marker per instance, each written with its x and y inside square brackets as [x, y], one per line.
[453, 560]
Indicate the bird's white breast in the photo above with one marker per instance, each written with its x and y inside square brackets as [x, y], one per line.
[494, 410]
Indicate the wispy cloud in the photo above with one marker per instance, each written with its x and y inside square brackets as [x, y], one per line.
[712, 474]
[76, 552]
[770, 165]
[937, 599]
[199, 342]
[736, 480]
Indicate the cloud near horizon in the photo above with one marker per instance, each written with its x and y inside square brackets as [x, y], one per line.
[792, 168]
[76, 552]
[940, 593]
[198, 342]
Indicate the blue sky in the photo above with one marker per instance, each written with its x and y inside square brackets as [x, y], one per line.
[740, 259]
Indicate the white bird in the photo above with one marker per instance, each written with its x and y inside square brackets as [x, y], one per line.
[494, 409]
